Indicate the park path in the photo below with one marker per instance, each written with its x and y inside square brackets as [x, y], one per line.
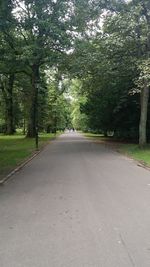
[77, 204]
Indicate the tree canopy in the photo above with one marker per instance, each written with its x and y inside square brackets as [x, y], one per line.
[98, 51]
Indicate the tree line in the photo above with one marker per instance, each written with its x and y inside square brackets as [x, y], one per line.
[98, 50]
[114, 69]
[35, 39]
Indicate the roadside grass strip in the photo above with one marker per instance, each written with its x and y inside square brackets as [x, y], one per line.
[16, 149]
[132, 150]
[139, 154]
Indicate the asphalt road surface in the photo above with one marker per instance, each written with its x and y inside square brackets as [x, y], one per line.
[77, 204]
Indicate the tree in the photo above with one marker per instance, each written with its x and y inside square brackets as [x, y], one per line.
[47, 30]
[7, 62]
[139, 13]
[110, 65]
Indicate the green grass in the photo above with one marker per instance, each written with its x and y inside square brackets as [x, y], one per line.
[16, 149]
[137, 153]
[131, 150]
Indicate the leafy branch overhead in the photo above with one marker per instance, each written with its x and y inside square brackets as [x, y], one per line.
[89, 58]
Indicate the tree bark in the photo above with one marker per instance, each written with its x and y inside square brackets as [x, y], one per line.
[145, 90]
[7, 91]
[9, 108]
[33, 120]
[143, 117]
[24, 126]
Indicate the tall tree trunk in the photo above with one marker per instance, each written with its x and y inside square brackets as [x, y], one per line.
[145, 90]
[143, 118]
[24, 126]
[33, 120]
[7, 91]
[9, 107]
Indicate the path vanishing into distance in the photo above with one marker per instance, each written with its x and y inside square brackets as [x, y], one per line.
[77, 204]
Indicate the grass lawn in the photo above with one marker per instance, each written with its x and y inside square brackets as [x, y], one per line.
[132, 150]
[16, 149]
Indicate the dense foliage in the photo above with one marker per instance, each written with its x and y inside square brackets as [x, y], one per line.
[35, 39]
[98, 51]
[114, 68]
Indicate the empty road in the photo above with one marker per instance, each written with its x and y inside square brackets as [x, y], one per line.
[77, 204]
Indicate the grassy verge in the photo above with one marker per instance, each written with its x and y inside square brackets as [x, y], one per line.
[131, 150]
[16, 149]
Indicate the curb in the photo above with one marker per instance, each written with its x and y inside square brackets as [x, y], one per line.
[7, 177]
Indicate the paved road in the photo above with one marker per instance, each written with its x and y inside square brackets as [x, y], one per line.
[77, 204]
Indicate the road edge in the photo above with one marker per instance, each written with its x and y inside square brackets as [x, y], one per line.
[139, 163]
[24, 163]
